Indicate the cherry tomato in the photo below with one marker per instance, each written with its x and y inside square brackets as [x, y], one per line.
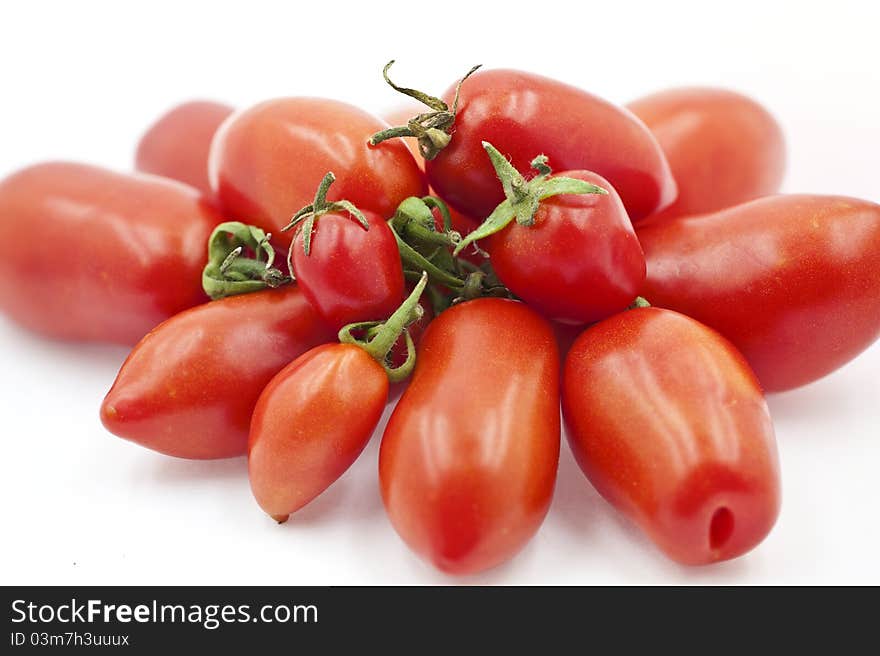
[668, 422]
[350, 274]
[311, 423]
[189, 388]
[524, 114]
[176, 146]
[98, 255]
[468, 460]
[724, 148]
[580, 260]
[792, 281]
[267, 161]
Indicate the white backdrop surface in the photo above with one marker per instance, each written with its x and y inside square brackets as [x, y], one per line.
[82, 80]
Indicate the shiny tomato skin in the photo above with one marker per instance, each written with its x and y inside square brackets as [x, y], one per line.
[100, 256]
[350, 274]
[188, 389]
[176, 146]
[267, 161]
[524, 115]
[670, 425]
[311, 423]
[723, 147]
[468, 461]
[792, 280]
[579, 262]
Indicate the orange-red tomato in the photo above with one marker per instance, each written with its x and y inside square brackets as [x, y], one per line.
[792, 281]
[177, 144]
[99, 255]
[311, 423]
[724, 148]
[189, 388]
[267, 161]
[668, 422]
[523, 114]
[468, 460]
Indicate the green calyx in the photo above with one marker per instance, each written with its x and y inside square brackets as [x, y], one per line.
[426, 249]
[240, 260]
[308, 215]
[422, 247]
[432, 129]
[639, 302]
[381, 336]
[523, 197]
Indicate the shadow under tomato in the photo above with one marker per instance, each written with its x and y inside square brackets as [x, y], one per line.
[166, 470]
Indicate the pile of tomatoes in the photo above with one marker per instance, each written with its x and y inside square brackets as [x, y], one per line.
[512, 247]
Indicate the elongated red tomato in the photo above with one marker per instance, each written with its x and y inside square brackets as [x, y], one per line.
[98, 255]
[792, 281]
[267, 161]
[177, 144]
[524, 114]
[578, 262]
[724, 148]
[350, 274]
[188, 389]
[668, 422]
[468, 460]
[311, 423]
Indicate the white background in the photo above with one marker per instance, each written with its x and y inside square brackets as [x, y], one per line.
[81, 80]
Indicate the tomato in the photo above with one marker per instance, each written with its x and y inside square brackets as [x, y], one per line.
[98, 255]
[188, 389]
[468, 461]
[267, 161]
[523, 114]
[724, 148]
[668, 422]
[176, 146]
[792, 281]
[580, 260]
[311, 423]
[348, 266]
[315, 417]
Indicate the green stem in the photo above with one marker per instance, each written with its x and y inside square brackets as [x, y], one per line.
[382, 336]
[229, 271]
[432, 129]
[416, 260]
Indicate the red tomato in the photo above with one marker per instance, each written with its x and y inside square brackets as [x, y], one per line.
[267, 161]
[351, 274]
[100, 255]
[311, 423]
[189, 388]
[723, 147]
[669, 424]
[176, 146]
[579, 262]
[468, 461]
[792, 281]
[524, 114]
